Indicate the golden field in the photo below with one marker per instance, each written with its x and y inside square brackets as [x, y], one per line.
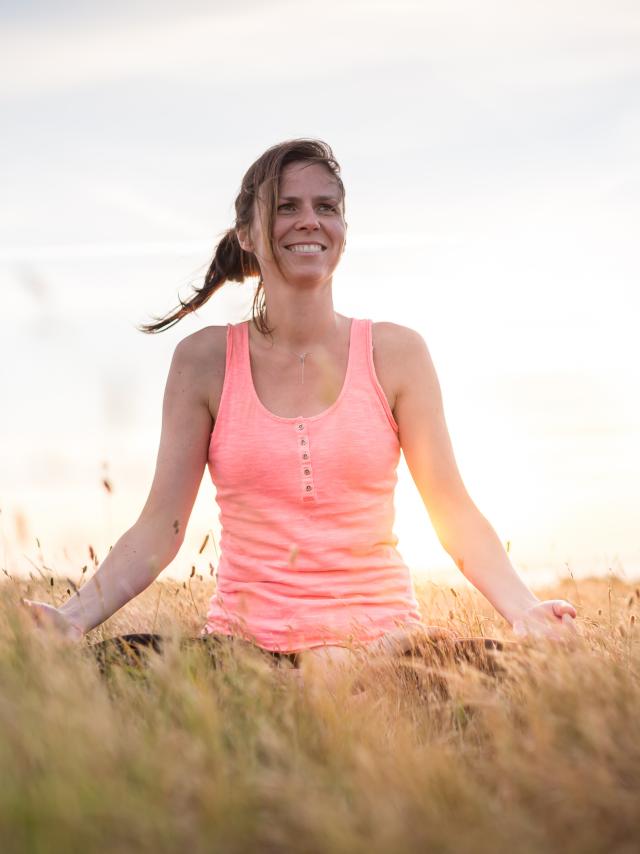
[391, 755]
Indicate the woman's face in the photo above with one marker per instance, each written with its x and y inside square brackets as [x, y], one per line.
[308, 230]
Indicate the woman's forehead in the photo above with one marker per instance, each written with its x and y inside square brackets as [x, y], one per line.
[314, 176]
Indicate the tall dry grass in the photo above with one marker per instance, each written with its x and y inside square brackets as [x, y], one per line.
[180, 756]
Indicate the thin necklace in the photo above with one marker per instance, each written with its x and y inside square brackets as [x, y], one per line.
[300, 356]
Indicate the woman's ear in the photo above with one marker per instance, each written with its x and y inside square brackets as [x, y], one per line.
[244, 240]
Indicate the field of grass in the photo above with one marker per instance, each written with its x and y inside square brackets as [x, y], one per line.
[544, 756]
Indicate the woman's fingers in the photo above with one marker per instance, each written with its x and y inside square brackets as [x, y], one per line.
[552, 619]
[47, 616]
[566, 614]
[35, 610]
[562, 607]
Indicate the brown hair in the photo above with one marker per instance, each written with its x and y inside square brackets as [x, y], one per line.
[230, 262]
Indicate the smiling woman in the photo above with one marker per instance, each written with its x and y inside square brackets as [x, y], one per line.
[301, 414]
[263, 201]
[307, 231]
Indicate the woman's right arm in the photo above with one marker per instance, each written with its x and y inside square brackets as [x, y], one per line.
[153, 541]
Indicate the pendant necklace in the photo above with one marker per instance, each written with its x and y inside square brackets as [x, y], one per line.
[302, 357]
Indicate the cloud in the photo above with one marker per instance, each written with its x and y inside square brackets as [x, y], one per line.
[125, 198]
[102, 251]
[363, 242]
[465, 45]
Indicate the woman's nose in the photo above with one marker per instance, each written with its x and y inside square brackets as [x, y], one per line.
[308, 218]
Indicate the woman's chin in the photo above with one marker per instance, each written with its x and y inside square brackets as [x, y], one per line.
[308, 280]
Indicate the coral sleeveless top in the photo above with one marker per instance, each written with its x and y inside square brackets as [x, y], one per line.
[307, 552]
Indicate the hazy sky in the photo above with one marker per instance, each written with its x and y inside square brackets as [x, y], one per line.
[490, 155]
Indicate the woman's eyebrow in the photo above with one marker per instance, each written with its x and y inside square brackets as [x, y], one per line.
[333, 199]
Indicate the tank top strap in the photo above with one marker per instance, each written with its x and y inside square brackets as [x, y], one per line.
[359, 343]
[237, 363]
[364, 372]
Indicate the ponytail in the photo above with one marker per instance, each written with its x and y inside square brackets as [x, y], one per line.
[230, 263]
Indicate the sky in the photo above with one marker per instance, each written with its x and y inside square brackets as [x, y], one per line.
[490, 156]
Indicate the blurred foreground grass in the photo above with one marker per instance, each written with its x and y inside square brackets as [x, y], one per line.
[244, 758]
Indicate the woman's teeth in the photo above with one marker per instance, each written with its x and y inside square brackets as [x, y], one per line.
[305, 247]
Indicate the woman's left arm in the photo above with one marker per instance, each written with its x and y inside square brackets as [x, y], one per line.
[461, 528]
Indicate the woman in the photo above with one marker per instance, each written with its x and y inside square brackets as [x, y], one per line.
[301, 414]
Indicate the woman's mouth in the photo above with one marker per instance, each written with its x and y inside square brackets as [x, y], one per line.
[306, 248]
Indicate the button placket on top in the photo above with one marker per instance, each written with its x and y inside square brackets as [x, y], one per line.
[306, 470]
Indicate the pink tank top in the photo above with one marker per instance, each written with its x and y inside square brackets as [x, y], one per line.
[307, 553]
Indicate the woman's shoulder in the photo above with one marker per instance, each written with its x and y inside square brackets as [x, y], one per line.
[201, 358]
[396, 350]
[208, 345]
[395, 339]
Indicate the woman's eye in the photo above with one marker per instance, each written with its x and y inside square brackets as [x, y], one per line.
[289, 206]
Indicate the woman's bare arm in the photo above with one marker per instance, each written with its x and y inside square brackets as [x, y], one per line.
[154, 540]
[461, 528]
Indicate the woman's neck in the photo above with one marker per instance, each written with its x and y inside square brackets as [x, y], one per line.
[304, 320]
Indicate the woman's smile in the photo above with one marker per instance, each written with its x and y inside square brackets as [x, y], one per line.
[306, 248]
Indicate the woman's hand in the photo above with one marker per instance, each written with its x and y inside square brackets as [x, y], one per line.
[551, 619]
[46, 616]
